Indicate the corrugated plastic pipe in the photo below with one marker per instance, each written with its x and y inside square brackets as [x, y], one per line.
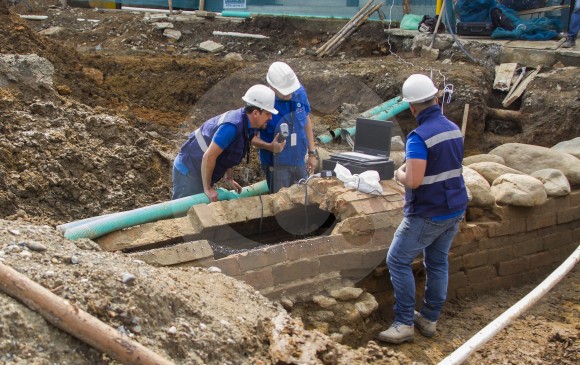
[379, 108]
[464, 351]
[170, 209]
[327, 138]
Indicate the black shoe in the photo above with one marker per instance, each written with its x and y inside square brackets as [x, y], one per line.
[570, 42]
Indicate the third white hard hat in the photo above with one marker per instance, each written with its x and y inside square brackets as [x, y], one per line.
[281, 77]
[418, 88]
[261, 96]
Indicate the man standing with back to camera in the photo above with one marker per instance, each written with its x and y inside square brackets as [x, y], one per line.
[435, 202]
[284, 164]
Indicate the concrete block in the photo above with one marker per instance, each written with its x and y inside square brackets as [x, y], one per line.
[513, 266]
[373, 258]
[568, 215]
[229, 266]
[535, 222]
[259, 279]
[255, 259]
[177, 254]
[211, 47]
[299, 270]
[480, 274]
[528, 57]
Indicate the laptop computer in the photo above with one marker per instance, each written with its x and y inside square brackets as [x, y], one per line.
[372, 142]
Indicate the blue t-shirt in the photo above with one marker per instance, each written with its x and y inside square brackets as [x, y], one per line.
[225, 135]
[417, 149]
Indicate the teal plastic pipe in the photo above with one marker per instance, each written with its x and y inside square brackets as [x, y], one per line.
[327, 138]
[65, 226]
[392, 111]
[379, 108]
[246, 14]
[170, 209]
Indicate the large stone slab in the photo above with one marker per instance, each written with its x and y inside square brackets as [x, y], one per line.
[184, 253]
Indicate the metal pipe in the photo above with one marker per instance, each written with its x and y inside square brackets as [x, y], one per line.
[464, 351]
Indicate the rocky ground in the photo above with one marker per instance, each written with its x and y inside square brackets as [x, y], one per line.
[101, 137]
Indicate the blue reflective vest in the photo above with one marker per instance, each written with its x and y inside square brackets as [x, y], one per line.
[442, 190]
[294, 112]
[199, 140]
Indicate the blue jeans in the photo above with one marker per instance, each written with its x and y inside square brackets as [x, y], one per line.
[283, 176]
[416, 234]
[185, 185]
[574, 25]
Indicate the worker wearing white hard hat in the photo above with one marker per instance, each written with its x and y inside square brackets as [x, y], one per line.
[219, 144]
[435, 202]
[294, 158]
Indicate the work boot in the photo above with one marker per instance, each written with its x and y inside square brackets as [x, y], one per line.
[397, 333]
[570, 42]
[426, 327]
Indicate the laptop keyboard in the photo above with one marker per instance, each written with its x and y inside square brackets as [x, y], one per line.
[360, 156]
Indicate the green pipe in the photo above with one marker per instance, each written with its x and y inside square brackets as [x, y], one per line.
[392, 111]
[379, 108]
[65, 226]
[327, 138]
[167, 210]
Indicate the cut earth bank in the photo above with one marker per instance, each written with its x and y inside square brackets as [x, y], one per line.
[100, 139]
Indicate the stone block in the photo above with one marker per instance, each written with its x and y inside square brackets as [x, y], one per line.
[517, 238]
[307, 248]
[538, 260]
[513, 266]
[298, 270]
[455, 263]
[466, 248]
[256, 259]
[527, 247]
[491, 243]
[497, 255]
[473, 289]
[475, 259]
[259, 279]
[508, 281]
[229, 266]
[211, 47]
[574, 197]
[300, 289]
[458, 280]
[469, 233]
[538, 221]
[341, 261]
[512, 226]
[557, 240]
[480, 274]
[340, 243]
[373, 258]
[177, 254]
[568, 215]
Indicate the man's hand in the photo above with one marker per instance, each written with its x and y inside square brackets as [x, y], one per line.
[312, 164]
[211, 194]
[277, 147]
[234, 185]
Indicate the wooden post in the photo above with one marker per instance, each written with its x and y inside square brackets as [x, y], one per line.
[406, 7]
[75, 321]
[170, 6]
[201, 5]
[464, 122]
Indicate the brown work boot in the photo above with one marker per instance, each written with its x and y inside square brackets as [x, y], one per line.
[426, 327]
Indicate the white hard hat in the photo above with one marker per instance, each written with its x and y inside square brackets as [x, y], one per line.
[418, 88]
[261, 96]
[281, 77]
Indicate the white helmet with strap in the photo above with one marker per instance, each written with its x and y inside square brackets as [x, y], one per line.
[418, 88]
[261, 96]
[281, 77]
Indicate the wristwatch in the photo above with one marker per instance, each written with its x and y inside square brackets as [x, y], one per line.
[311, 153]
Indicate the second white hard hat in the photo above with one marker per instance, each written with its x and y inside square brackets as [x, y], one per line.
[281, 77]
[261, 96]
[418, 88]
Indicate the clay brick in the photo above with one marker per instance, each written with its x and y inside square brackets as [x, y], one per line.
[466, 248]
[512, 226]
[557, 240]
[547, 231]
[527, 247]
[259, 279]
[475, 259]
[480, 274]
[284, 273]
[562, 202]
[513, 266]
[341, 261]
[457, 280]
[490, 243]
[508, 281]
[496, 255]
[373, 258]
[517, 238]
[308, 248]
[455, 263]
[535, 222]
[549, 207]
[229, 266]
[574, 197]
[256, 259]
[569, 215]
[539, 259]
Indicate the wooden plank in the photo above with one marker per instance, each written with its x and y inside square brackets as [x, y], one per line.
[504, 74]
[519, 90]
[464, 122]
[516, 83]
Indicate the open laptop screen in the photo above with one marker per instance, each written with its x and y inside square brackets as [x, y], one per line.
[373, 137]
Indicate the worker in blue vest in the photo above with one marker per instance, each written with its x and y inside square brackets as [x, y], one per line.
[435, 203]
[296, 159]
[212, 150]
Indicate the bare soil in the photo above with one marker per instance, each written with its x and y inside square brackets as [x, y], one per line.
[103, 138]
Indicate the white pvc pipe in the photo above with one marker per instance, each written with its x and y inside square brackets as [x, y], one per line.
[241, 35]
[464, 351]
[150, 10]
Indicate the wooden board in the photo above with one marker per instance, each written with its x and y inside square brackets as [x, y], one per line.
[504, 74]
[520, 88]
